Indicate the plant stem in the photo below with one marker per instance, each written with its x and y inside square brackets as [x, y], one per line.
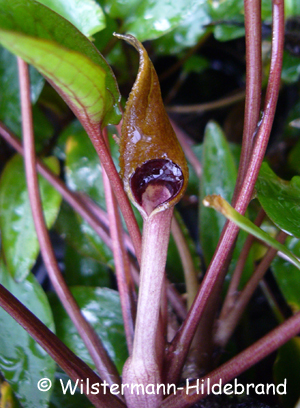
[104, 365]
[190, 275]
[122, 264]
[73, 199]
[117, 185]
[64, 357]
[90, 212]
[253, 84]
[232, 291]
[203, 107]
[227, 325]
[237, 365]
[210, 288]
[145, 364]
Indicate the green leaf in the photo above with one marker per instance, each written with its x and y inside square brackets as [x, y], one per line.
[222, 206]
[288, 276]
[280, 199]
[22, 361]
[187, 34]
[101, 307]
[86, 15]
[64, 56]
[293, 158]
[82, 237]
[19, 240]
[287, 368]
[66, 400]
[10, 112]
[81, 270]
[290, 68]
[219, 177]
[150, 19]
[83, 169]
[291, 8]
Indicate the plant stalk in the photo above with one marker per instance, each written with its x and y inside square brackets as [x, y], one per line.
[217, 269]
[89, 211]
[104, 365]
[237, 365]
[227, 325]
[145, 364]
[232, 291]
[253, 85]
[122, 263]
[190, 275]
[64, 357]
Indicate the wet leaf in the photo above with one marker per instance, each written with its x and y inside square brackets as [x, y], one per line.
[222, 206]
[83, 169]
[219, 177]
[22, 361]
[288, 276]
[152, 163]
[66, 400]
[64, 56]
[86, 15]
[280, 199]
[287, 368]
[19, 240]
[101, 307]
[293, 158]
[10, 112]
[290, 68]
[82, 237]
[82, 270]
[150, 19]
[187, 34]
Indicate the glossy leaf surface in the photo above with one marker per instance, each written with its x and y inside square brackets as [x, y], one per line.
[83, 169]
[85, 271]
[219, 177]
[287, 368]
[86, 15]
[64, 56]
[280, 199]
[101, 307]
[22, 361]
[82, 237]
[221, 205]
[19, 240]
[288, 276]
[67, 400]
[150, 19]
[10, 112]
[187, 34]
